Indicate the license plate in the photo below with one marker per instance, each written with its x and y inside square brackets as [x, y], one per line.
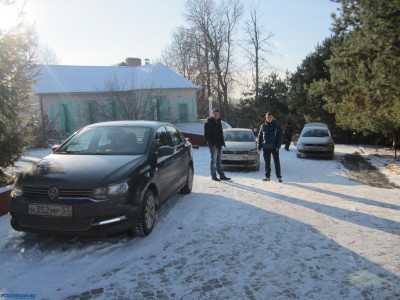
[50, 210]
[235, 157]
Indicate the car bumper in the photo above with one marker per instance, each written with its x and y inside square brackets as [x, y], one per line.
[240, 161]
[88, 219]
[318, 151]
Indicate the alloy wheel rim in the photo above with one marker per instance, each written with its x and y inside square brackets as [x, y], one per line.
[150, 212]
[190, 178]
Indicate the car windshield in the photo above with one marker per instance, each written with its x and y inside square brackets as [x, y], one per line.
[108, 140]
[239, 136]
[323, 132]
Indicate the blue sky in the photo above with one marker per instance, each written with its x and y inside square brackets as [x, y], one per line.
[105, 32]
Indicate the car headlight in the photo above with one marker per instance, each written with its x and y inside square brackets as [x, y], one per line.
[109, 191]
[254, 151]
[16, 191]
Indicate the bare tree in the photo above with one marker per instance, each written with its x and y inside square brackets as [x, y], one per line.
[258, 43]
[181, 54]
[47, 56]
[123, 100]
[217, 24]
[188, 55]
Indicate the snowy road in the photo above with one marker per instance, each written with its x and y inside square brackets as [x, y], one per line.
[319, 235]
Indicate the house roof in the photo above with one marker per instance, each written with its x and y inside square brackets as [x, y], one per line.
[88, 79]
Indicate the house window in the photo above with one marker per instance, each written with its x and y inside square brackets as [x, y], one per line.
[156, 109]
[66, 117]
[114, 111]
[183, 113]
[91, 112]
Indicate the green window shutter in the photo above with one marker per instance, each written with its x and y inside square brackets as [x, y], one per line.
[115, 112]
[194, 110]
[169, 107]
[160, 109]
[79, 114]
[52, 115]
[145, 109]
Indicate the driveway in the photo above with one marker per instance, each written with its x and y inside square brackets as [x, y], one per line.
[322, 234]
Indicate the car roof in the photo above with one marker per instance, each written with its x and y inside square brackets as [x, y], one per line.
[141, 123]
[316, 125]
[237, 129]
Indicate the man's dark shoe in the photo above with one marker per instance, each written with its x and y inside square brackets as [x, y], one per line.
[266, 179]
[215, 178]
[280, 179]
[224, 178]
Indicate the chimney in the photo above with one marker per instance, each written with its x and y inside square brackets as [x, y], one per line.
[133, 61]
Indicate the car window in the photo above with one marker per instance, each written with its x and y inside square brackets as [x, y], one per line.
[80, 142]
[238, 136]
[108, 140]
[175, 136]
[162, 138]
[316, 133]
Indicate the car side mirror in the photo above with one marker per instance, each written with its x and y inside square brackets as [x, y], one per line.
[54, 148]
[165, 151]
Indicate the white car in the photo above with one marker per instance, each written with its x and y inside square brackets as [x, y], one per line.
[315, 140]
[241, 149]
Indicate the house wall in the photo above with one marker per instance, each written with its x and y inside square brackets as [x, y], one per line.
[69, 112]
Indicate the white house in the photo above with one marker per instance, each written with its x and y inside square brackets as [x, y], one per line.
[74, 96]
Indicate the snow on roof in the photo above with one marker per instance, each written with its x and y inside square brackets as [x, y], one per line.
[89, 79]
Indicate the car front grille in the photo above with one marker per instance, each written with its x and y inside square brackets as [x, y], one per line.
[41, 192]
[52, 223]
[234, 152]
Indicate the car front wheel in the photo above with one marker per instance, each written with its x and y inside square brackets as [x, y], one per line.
[187, 189]
[147, 214]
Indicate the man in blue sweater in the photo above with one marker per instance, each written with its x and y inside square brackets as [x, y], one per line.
[270, 140]
[215, 138]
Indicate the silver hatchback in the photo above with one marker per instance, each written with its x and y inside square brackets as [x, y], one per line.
[315, 140]
[241, 149]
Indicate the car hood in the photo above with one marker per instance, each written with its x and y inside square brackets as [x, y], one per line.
[80, 171]
[315, 140]
[240, 146]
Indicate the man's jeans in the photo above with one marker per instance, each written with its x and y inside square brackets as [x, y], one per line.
[267, 159]
[215, 165]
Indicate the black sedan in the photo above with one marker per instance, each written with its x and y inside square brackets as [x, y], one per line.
[106, 178]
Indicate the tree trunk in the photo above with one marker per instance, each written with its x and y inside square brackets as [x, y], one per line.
[396, 137]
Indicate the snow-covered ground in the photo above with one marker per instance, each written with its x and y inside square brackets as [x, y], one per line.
[318, 235]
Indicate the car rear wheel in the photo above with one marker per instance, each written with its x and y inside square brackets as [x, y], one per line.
[187, 189]
[147, 214]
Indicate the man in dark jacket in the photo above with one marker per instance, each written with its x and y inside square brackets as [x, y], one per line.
[270, 140]
[287, 136]
[215, 139]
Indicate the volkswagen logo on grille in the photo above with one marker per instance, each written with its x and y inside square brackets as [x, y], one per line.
[53, 193]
